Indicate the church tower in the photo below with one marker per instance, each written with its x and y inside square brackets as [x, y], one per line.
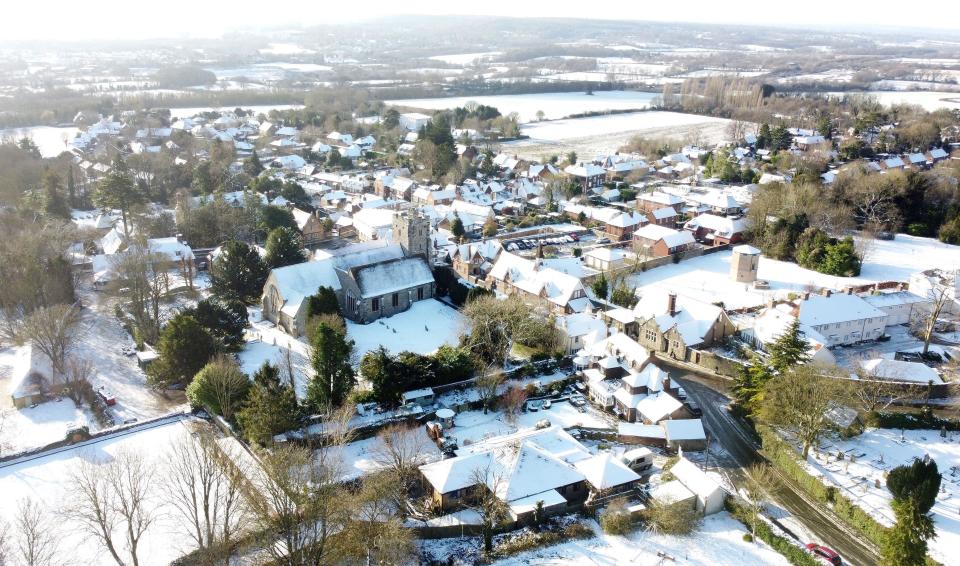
[411, 229]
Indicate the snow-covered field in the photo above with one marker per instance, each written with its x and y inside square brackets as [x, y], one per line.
[423, 328]
[264, 109]
[707, 277]
[880, 450]
[22, 429]
[553, 104]
[718, 542]
[51, 141]
[929, 100]
[465, 58]
[601, 135]
[47, 481]
[474, 426]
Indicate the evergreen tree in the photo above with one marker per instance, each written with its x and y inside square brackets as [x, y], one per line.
[273, 217]
[456, 228]
[219, 387]
[224, 319]
[283, 248]
[914, 489]
[54, 204]
[333, 378]
[749, 385]
[789, 349]
[252, 165]
[601, 286]
[71, 187]
[183, 349]
[270, 408]
[117, 190]
[324, 301]
[238, 272]
[490, 227]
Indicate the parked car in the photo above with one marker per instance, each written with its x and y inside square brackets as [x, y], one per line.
[534, 406]
[546, 405]
[825, 554]
[578, 400]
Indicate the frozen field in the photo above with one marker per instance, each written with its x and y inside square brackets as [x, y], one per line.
[51, 141]
[707, 277]
[718, 542]
[47, 481]
[880, 450]
[600, 135]
[554, 105]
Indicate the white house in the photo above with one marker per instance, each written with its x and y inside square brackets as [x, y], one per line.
[842, 318]
[901, 306]
[709, 494]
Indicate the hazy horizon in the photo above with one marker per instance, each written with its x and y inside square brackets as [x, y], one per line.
[59, 20]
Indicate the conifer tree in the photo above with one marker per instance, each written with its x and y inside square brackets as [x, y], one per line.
[789, 349]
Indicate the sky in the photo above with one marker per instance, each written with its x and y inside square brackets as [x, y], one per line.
[123, 19]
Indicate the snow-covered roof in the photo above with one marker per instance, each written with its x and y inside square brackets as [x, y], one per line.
[532, 277]
[31, 370]
[746, 249]
[722, 225]
[299, 281]
[694, 479]
[584, 170]
[640, 430]
[651, 377]
[171, 247]
[692, 318]
[659, 197]
[898, 370]
[605, 471]
[683, 429]
[671, 492]
[656, 407]
[839, 307]
[393, 275]
[672, 238]
[881, 300]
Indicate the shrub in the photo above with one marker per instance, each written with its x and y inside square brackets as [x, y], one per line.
[747, 537]
[615, 519]
[672, 518]
[793, 553]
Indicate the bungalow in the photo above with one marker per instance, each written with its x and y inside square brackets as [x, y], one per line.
[607, 475]
[587, 175]
[660, 241]
[895, 162]
[719, 203]
[917, 160]
[937, 154]
[30, 377]
[719, 230]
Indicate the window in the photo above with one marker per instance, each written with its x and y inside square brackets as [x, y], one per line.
[375, 304]
[419, 293]
[396, 299]
[650, 335]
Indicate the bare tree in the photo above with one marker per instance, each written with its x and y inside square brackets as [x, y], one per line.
[36, 544]
[53, 330]
[925, 321]
[760, 479]
[493, 511]
[512, 403]
[5, 555]
[77, 377]
[299, 506]
[112, 502]
[143, 279]
[798, 401]
[402, 449]
[870, 393]
[487, 384]
[376, 533]
[205, 489]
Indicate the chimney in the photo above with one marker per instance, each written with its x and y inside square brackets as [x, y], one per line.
[849, 290]
[826, 292]
[672, 304]
[806, 296]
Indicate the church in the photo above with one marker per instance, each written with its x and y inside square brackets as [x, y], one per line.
[372, 280]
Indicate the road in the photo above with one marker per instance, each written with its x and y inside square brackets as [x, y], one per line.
[742, 448]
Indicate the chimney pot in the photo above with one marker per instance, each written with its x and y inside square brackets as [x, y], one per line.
[806, 296]
[672, 304]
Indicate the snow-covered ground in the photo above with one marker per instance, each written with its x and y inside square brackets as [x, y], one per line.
[32, 427]
[423, 328]
[879, 450]
[718, 541]
[554, 105]
[557, 130]
[474, 426]
[707, 277]
[47, 481]
[929, 100]
[50, 141]
[465, 58]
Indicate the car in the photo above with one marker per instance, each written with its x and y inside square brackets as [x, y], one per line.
[107, 397]
[681, 393]
[534, 406]
[546, 405]
[825, 554]
[603, 241]
[577, 400]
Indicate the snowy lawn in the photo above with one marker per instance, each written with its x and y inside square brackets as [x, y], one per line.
[22, 429]
[707, 277]
[879, 450]
[423, 328]
[47, 481]
[719, 541]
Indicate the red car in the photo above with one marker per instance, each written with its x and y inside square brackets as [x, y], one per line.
[825, 554]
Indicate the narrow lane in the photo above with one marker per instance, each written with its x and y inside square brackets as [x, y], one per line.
[742, 448]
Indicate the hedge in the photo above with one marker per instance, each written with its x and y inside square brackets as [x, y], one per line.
[783, 456]
[923, 420]
[793, 553]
